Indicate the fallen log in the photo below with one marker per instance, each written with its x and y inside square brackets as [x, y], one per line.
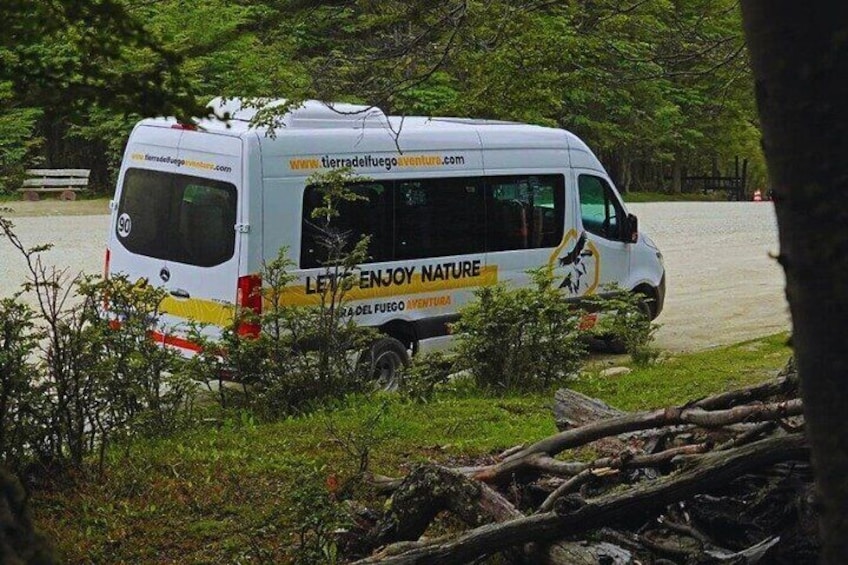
[431, 489]
[572, 516]
[786, 385]
[573, 409]
[626, 460]
[523, 461]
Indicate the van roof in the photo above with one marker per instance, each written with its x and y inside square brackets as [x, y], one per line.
[235, 116]
[313, 114]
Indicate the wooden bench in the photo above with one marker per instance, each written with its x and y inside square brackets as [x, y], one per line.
[65, 181]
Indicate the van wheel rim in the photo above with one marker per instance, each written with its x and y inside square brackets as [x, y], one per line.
[385, 370]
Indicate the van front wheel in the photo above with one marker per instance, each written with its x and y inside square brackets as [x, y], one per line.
[386, 359]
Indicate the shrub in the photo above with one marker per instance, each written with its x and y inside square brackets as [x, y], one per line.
[18, 338]
[80, 379]
[520, 338]
[425, 374]
[624, 320]
[305, 356]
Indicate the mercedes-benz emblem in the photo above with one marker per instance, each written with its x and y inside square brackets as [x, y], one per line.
[165, 274]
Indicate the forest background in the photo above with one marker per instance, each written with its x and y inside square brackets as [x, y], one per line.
[661, 89]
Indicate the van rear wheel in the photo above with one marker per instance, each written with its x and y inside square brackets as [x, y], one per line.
[386, 359]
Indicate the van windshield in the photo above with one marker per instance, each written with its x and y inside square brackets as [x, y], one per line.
[178, 218]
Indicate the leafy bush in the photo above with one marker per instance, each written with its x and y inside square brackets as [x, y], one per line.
[17, 139]
[75, 379]
[531, 338]
[18, 337]
[425, 375]
[624, 319]
[318, 517]
[304, 356]
[520, 338]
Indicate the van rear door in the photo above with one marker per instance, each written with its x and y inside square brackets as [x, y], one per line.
[177, 210]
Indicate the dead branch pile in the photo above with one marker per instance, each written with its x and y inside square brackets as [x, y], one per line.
[723, 479]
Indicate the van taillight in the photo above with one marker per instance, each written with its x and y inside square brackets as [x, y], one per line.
[249, 295]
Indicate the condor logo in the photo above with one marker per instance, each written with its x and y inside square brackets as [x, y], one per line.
[576, 263]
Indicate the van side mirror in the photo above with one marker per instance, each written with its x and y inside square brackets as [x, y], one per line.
[631, 229]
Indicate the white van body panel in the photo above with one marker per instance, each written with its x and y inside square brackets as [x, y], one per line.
[485, 160]
[196, 292]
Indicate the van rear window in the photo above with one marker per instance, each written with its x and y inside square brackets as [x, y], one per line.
[178, 218]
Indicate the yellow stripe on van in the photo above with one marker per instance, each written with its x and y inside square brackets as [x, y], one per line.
[297, 296]
[198, 310]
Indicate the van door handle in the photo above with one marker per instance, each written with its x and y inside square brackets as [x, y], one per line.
[180, 293]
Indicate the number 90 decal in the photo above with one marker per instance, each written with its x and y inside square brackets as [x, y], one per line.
[124, 225]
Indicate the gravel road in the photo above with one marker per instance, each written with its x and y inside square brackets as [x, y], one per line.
[722, 285]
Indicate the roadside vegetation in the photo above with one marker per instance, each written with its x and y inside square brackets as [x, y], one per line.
[232, 489]
[134, 454]
[656, 196]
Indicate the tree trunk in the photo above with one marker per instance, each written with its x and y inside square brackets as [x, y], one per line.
[799, 55]
[677, 176]
[625, 176]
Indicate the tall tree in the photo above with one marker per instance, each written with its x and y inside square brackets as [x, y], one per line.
[67, 51]
[799, 54]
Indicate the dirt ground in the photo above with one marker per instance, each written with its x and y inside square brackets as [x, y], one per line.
[723, 287]
[55, 207]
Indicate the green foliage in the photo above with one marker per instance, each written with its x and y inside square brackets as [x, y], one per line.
[317, 516]
[647, 86]
[225, 490]
[68, 52]
[18, 338]
[75, 378]
[17, 139]
[147, 392]
[525, 338]
[304, 356]
[426, 375]
[624, 319]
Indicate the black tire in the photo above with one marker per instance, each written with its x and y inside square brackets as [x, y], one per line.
[647, 304]
[385, 359]
[613, 345]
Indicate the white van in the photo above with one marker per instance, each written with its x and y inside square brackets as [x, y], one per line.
[451, 205]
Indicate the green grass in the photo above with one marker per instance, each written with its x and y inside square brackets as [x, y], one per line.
[15, 196]
[228, 491]
[716, 196]
[686, 377]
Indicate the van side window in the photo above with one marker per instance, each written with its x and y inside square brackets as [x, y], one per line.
[370, 215]
[438, 217]
[525, 212]
[177, 217]
[600, 210]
